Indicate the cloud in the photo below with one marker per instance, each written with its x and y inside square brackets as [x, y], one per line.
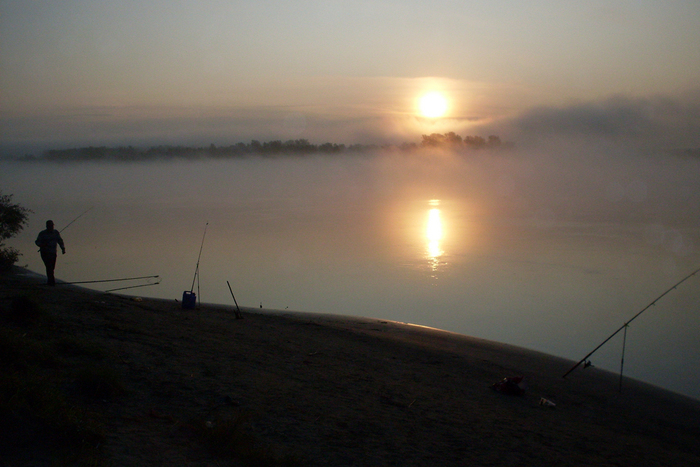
[614, 118]
[655, 121]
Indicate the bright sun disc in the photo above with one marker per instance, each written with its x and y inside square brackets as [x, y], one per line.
[433, 105]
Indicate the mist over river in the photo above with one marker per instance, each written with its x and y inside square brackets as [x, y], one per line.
[552, 250]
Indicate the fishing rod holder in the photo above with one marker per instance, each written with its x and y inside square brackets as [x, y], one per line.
[189, 299]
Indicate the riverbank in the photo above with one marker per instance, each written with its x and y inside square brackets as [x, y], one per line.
[199, 387]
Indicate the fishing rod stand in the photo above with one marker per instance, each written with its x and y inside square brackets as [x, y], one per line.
[586, 363]
[189, 298]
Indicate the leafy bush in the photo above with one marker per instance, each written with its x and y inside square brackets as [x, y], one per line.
[13, 218]
[8, 257]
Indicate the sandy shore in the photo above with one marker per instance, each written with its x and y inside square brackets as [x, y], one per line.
[344, 391]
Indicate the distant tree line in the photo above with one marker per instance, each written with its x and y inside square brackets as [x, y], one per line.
[276, 148]
[453, 140]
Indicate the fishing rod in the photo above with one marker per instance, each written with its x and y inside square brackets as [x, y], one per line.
[81, 215]
[196, 271]
[622, 359]
[624, 326]
[133, 287]
[189, 299]
[109, 280]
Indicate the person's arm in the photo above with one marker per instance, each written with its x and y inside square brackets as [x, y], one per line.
[39, 240]
[60, 242]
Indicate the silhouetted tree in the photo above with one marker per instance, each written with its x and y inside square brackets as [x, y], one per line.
[13, 218]
[272, 147]
[474, 141]
[433, 140]
[331, 148]
[452, 138]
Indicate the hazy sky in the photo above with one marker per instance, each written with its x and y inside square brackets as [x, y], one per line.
[78, 72]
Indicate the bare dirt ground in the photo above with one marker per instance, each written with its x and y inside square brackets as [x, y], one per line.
[324, 390]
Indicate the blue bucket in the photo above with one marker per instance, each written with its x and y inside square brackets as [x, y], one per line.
[189, 300]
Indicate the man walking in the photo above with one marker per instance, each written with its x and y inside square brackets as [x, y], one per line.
[47, 241]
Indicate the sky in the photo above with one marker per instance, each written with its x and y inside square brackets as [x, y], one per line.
[93, 72]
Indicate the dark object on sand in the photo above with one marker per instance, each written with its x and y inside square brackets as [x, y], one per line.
[513, 386]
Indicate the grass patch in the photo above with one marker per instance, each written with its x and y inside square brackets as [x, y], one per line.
[41, 421]
[72, 347]
[19, 353]
[24, 311]
[37, 419]
[232, 439]
[99, 383]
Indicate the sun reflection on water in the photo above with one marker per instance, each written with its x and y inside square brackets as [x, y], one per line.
[434, 235]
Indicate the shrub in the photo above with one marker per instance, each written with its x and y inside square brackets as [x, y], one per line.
[8, 257]
[13, 218]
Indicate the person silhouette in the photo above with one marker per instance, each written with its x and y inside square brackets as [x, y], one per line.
[47, 240]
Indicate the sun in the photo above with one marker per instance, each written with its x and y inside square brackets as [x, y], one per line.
[433, 105]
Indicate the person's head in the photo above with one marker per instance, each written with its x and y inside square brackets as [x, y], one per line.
[49, 225]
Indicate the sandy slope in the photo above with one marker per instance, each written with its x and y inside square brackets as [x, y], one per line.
[356, 392]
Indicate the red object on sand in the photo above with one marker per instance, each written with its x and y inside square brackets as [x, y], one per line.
[513, 386]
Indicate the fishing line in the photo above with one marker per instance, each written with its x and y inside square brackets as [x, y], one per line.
[624, 326]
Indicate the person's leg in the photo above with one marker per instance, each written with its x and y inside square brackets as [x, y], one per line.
[50, 263]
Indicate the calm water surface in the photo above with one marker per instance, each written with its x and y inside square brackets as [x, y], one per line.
[550, 252]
